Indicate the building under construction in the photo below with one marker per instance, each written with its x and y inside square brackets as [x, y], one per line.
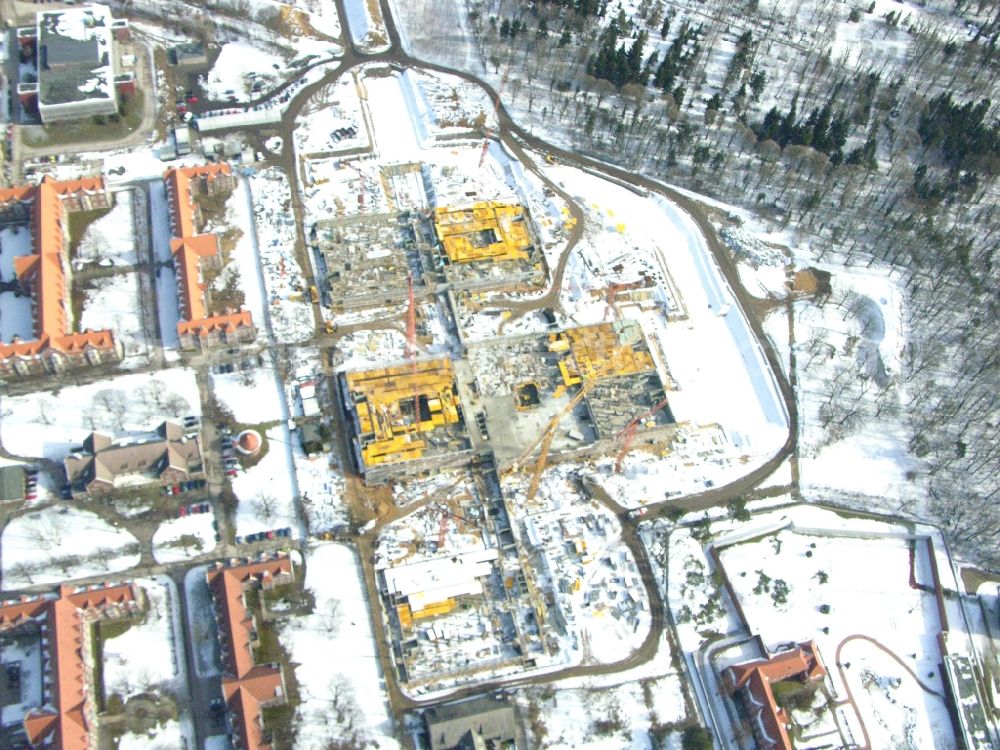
[529, 384]
[487, 245]
[366, 260]
[404, 419]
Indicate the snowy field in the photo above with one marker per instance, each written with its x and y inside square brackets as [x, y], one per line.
[338, 625]
[50, 424]
[266, 491]
[110, 241]
[63, 543]
[15, 310]
[252, 396]
[364, 19]
[322, 15]
[180, 538]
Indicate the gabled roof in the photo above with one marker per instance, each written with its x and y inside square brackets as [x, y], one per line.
[62, 722]
[245, 685]
[189, 248]
[44, 270]
[104, 459]
[755, 678]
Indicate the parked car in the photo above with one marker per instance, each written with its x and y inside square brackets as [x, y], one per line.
[182, 511]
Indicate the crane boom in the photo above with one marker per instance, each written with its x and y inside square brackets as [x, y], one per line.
[630, 431]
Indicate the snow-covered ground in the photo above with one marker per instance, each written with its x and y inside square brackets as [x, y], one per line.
[289, 308]
[239, 64]
[251, 396]
[364, 19]
[334, 107]
[800, 573]
[266, 491]
[342, 698]
[145, 657]
[322, 491]
[180, 538]
[323, 15]
[114, 303]
[110, 241]
[56, 544]
[50, 424]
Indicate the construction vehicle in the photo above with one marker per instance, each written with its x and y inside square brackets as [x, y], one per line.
[330, 326]
[629, 433]
[314, 294]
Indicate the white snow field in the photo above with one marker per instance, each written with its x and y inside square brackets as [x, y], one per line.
[179, 538]
[339, 626]
[50, 424]
[57, 544]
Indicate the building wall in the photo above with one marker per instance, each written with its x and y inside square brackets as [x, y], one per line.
[77, 110]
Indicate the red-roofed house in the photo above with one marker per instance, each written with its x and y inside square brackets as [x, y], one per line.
[193, 253]
[66, 720]
[44, 276]
[247, 688]
[751, 682]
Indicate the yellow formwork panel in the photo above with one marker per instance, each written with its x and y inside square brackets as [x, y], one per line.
[405, 616]
[484, 231]
[433, 610]
[384, 398]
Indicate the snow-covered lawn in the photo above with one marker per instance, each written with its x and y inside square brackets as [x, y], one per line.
[166, 736]
[252, 396]
[15, 311]
[50, 424]
[322, 15]
[145, 656]
[113, 302]
[364, 19]
[266, 491]
[62, 543]
[110, 241]
[180, 538]
[238, 65]
[342, 698]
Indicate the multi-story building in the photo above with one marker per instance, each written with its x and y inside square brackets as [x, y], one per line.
[194, 253]
[247, 688]
[168, 457]
[44, 275]
[78, 64]
[65, 716]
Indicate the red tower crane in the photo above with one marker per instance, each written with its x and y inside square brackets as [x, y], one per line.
[411, 322]
[630, 431]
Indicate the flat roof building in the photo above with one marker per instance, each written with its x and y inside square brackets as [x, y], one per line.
[77, 63]
[11, 483]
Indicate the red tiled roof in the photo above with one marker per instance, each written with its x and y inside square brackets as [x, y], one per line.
[44, 269]
[188, 248]
[62, 722]
[245, 685]
[755, 678]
